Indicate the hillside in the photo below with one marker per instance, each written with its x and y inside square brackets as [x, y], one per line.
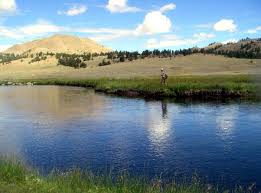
[232, 58]
[246, 48]
[196, 64]
[59, 44]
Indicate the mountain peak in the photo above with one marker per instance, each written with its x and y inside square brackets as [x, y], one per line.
[59, 43]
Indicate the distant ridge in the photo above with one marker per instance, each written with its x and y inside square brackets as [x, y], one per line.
[59, 44]
[245, 48]
[251, 45]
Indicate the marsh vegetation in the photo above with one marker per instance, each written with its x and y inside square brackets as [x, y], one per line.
[17, 178]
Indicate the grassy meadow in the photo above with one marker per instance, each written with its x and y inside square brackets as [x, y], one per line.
[194, 75]
[15, 177]
[180, 86]
[192, 65]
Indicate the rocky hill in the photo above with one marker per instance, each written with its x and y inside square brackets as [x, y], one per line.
[59, 44]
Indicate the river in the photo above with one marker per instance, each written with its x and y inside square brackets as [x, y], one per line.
[63, 127]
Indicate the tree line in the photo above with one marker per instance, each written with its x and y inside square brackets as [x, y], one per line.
[247, 49]
[8, 58]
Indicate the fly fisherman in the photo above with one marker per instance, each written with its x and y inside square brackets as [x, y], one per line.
[164, 77]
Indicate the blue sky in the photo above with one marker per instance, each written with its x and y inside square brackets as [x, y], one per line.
[131, 24]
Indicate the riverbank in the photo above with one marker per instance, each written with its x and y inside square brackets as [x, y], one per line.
[17, 178]
[213, 86]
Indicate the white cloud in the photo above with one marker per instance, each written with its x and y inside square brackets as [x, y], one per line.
[155, 43]
[74, 10]
[104, 34]
[4, 47]
[154, 22]
[44, 27]
[120, 6]
[40, 28]
[111, 36]
[7, 6]
[225, 25]
[9, 33]
[204, 36]
[230, 41]
[170, 37]
[173, 41]
[167, 7]
[255, 30]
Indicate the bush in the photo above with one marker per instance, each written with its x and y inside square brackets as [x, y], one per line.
[105, 63]
[122, 59]
[71, 61]
[38, 58]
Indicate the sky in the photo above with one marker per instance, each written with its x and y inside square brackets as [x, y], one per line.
[131, 24]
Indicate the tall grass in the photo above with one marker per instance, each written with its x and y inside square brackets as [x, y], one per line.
[182, 86]
[16, 178]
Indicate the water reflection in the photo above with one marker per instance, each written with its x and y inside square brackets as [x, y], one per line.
[44, 103]
[164, 108]
[225, 120]
[159, 125]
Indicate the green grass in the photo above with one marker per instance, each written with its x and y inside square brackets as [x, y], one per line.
[181, 86]
[16, 178]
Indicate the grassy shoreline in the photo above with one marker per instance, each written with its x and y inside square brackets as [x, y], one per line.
[17, 178]
[219, 86]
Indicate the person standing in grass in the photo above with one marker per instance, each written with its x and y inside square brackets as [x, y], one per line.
[164, 77]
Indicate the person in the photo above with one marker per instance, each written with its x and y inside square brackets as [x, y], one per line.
[164, 77]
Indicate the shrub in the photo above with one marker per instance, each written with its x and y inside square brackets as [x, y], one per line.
[71, 61]
[105, 63]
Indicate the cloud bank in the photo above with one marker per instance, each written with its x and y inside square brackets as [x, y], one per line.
[173, 40]
[225, 25]
[74, 10]
[255, 30]
[7, 6]
[120, 6]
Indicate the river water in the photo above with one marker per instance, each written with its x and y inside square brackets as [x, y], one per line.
[63, 127]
